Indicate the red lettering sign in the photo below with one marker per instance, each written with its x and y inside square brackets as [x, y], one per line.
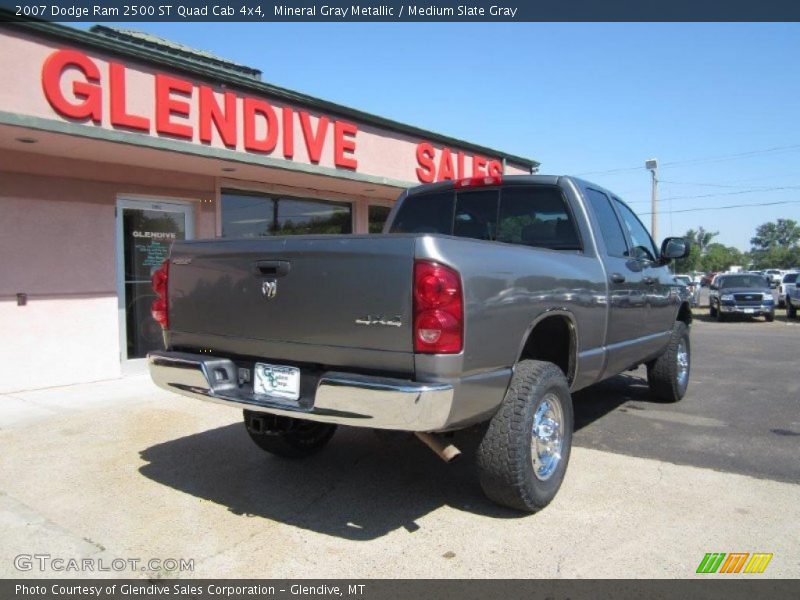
[425, 155]
[428, 171]
[119, 113]
[167, 106]
[344, 141]
[314, 141]
[254, 108]
[88, 92]
[224, 121]
[174, 114]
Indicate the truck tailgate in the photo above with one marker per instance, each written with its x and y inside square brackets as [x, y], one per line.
[296, 298]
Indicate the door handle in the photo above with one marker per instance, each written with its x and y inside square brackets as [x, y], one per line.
[617, 278]
[650, 280]
[274, 268]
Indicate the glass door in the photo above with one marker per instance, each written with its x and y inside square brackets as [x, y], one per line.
[145, 232]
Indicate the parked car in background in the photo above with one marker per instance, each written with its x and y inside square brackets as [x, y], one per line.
[692, 287]
[774, 276]
[741, 294]
[706, 279]
[792, 302]
[788, 282]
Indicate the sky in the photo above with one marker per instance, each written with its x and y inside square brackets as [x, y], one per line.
[717, 104]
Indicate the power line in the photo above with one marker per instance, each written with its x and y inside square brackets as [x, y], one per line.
[737, 193]
[716, 185]
[709, 159]
[685, 210]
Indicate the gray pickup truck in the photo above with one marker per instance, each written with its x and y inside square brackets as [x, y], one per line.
[485, 300]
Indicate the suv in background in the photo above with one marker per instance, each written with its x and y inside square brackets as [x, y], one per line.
[788, 282]
[741, 294]
[774, 276]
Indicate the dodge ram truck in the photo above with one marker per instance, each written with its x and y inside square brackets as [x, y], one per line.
[484, 303]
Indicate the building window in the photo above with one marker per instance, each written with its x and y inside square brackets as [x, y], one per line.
[246, 215]
[377, 217]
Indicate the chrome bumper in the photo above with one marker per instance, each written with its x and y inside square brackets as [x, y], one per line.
[747, 310]
[342, 398]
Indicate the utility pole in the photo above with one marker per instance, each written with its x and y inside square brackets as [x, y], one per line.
[652, 165]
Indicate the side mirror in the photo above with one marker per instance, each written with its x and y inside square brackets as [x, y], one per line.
[673, 248]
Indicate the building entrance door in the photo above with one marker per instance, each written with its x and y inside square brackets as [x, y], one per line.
[145, 231]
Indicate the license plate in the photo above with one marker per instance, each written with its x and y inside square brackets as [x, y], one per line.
[277, 381]
[749, 311]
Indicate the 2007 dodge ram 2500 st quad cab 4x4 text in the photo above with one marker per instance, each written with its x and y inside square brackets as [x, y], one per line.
[485, 299]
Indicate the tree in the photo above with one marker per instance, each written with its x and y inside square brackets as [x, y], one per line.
[783, 233]
[719, 257]
[775, 245]
[700, 239]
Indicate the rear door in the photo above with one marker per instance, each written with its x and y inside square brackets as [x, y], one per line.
[627, 310]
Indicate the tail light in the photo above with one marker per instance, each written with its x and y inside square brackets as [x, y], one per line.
[160, 307]
[438, 309]
[482, 181]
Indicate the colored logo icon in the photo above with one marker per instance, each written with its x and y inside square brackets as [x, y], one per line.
[734, 562]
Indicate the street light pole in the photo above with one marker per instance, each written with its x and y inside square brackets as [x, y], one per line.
[652, 165]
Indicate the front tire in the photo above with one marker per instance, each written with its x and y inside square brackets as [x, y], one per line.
[769, 317]
[668, 375]
[791, 311]
[523, 456]
[712, 312]
[287, 437]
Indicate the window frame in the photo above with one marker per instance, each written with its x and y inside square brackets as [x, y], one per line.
[627, 232]
[275, 198]
[623, 229]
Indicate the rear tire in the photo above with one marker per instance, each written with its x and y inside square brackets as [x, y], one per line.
[769, 317]
[668, 375]
[287, 437]
[791, 311]
[523, 456]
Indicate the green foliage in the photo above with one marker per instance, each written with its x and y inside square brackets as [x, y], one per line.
[700, 240]
[336, 223]
[775, 245]
[510, 229]
[691, 263]
[719, 257]
[783, 233]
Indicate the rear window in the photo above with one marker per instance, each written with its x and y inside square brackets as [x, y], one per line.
[535, 216]
[426, 213]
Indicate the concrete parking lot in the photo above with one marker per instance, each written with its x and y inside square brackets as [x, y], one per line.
[120, 469]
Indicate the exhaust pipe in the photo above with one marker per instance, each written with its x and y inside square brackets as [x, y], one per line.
[447, 452]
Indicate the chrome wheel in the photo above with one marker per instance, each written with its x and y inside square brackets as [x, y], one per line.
[547, 437]
[683, 363]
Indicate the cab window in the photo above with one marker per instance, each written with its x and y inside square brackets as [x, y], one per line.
[642, 246]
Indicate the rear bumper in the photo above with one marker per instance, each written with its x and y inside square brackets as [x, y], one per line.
[341, 398]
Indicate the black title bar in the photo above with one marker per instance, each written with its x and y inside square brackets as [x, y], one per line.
[393, 11]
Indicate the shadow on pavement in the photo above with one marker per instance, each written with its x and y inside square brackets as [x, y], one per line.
[363, 485]
[597, 401]
[360, 487]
